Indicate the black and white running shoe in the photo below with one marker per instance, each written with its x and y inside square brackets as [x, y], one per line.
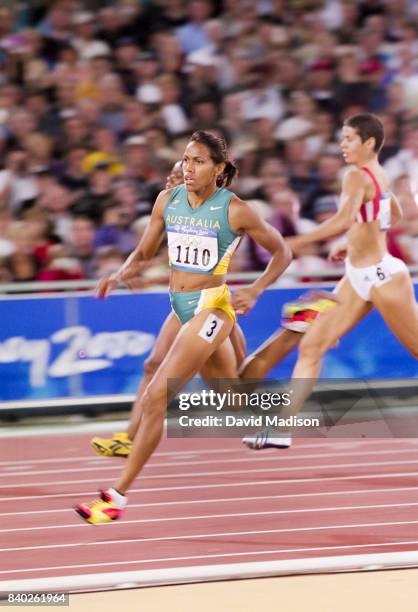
[266, 439]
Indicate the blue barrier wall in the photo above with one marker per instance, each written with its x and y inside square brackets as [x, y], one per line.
[71, 346]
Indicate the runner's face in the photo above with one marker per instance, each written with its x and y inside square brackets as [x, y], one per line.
[175, 177]
[352, 148]
[198, 167]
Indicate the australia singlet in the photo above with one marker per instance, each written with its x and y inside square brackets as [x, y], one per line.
[200, 240]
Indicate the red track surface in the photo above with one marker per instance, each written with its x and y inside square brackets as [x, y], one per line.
[202, 502]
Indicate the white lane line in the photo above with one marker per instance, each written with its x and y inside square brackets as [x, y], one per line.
[254, 483]
[218, 516]
[359, 445]
[221, 500]
[94, 456]
[207, 573]
[222, 473]
[274, 551]
[208, 535]
[259, 458]
[64, 429]
[174, 453]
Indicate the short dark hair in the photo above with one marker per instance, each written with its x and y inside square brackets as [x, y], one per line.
[367, 126]
[219, 154]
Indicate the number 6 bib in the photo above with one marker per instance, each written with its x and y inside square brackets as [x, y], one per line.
[192, 248]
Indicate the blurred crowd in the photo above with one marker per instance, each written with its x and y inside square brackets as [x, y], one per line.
[98, 99]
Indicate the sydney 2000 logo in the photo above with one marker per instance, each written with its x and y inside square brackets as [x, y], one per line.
[79, 351]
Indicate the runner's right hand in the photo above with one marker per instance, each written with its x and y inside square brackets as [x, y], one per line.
[338, 252]
[105, 286]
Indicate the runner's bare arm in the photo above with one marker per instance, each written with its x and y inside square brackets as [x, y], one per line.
[395, 210]
[145, 250]
[352, 197]
[244, 218]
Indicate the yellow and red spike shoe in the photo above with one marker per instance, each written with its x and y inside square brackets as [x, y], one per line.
[298, 316]
[119, 445]
[99, 511]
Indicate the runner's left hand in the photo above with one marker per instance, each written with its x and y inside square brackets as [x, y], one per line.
[243, 300]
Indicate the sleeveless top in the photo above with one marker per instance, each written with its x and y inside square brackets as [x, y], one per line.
[377, 209]
[200, 240]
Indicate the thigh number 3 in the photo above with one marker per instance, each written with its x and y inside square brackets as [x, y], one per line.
[211, 328]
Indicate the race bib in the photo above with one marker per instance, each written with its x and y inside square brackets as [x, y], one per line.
[210, 328]
[192, 248]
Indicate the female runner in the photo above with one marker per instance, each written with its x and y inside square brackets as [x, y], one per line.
[373, 278]
[204, 223]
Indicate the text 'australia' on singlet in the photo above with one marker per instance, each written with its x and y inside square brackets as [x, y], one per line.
[377, 209]
[200, 240]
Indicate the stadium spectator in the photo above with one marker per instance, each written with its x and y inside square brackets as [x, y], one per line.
[80, 244]
[329, 167]
[22, 263]
[73, 175]
[17, 183]
[56, 201]
[406, 160]
[98, 99]
[193, 35]
[60, 266]
[108, 260]
[97, 197]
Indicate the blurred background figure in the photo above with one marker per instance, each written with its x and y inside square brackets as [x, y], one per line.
[175, 177]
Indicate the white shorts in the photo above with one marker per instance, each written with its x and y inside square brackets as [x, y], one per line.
[363, 279]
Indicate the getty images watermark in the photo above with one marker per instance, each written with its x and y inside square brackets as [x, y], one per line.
[336, 408]
[227, 400]
[230, 412]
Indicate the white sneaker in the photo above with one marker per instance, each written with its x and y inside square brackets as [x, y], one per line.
[263, 439]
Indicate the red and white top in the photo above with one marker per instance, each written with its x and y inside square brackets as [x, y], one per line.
[377, 209]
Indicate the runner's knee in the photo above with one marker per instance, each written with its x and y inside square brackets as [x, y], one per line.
[255, 368]
[151, 365]
[154, 400]
[311, 348]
